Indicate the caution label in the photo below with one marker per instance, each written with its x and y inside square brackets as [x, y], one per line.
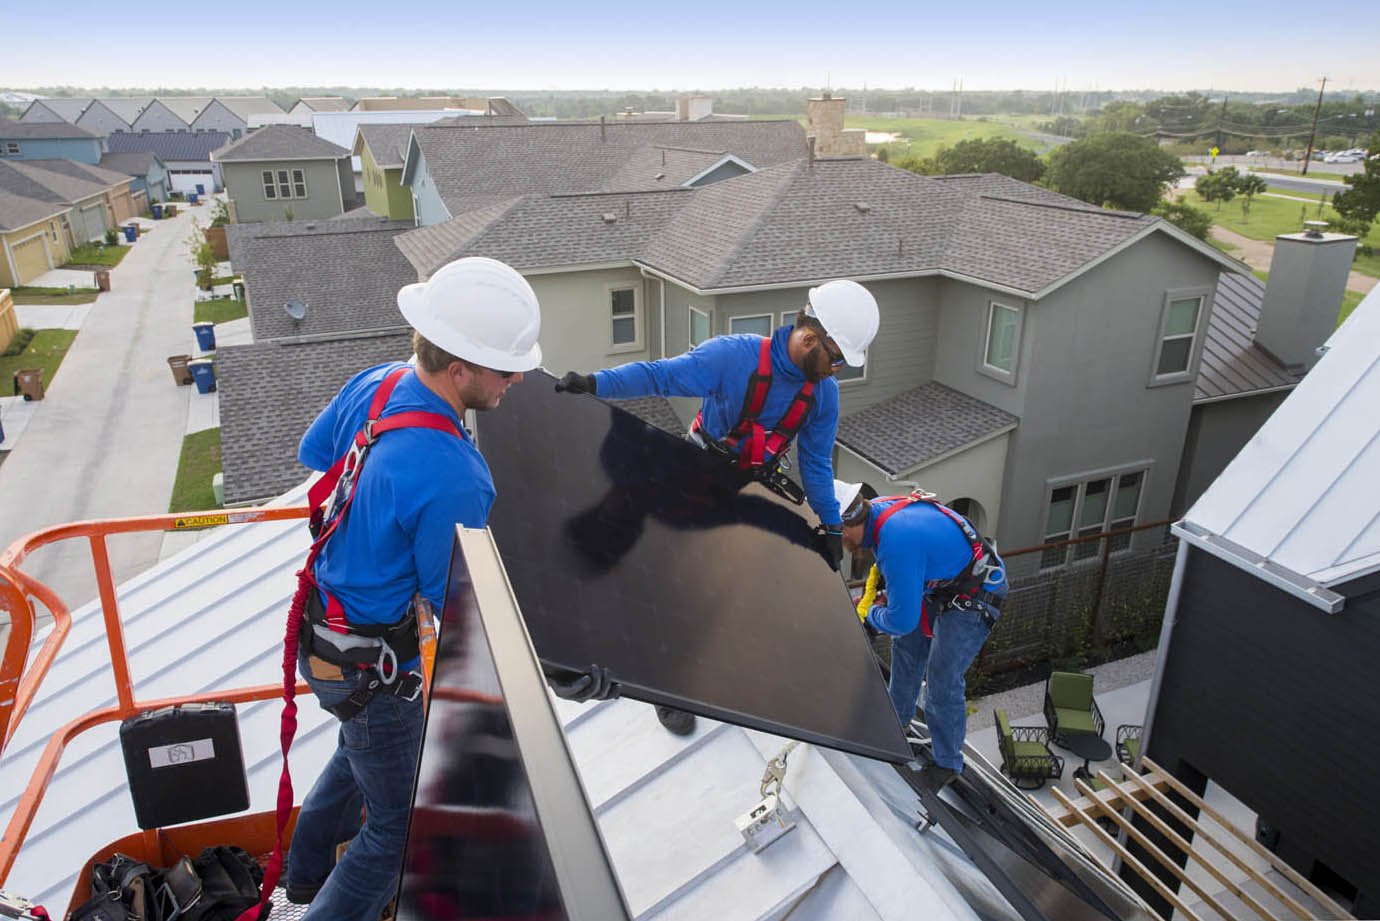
[200, 521]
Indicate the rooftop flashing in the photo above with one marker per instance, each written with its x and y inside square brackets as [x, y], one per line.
[1282, 578]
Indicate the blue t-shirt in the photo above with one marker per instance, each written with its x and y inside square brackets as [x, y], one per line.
[717, 370]
[919, 544]
[416, 485]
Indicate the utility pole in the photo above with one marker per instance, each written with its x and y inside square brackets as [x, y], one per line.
[1221, 120]
[1312, 135]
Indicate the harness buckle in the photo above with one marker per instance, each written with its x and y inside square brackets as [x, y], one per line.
[409, 686]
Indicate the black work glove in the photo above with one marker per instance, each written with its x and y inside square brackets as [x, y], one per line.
[595, 684]
[574, 382]
[831, 545]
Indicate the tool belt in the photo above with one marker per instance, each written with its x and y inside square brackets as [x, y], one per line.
[981, 602]
[375, 649]
[769, 474]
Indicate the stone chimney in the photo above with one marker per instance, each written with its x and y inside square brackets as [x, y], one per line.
[824, 123]
[1308, 274]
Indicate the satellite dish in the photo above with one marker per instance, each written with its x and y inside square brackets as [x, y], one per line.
[295, 309]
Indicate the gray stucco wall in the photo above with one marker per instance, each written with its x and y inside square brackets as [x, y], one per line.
[1216, 433]
[577, 319]
[243, 182]
[158, 117]
[216, 117]
[426, 199]
[100, 120]
[1085, 406]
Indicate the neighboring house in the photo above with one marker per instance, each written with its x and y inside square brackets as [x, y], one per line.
[343, 128]
[381, 151]
[481, 105]
[1261, 340]
[311, 104]
[231, 114]
[33, 235]
[101, 119]
[1264, 683]
[1011, 317]
[185, 154]
[48, 141]
[56, 109]
[148, 171]
[283, 172]
[158, 115]
[96, 198]
[271, 391]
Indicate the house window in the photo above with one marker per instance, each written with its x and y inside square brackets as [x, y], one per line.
[1001, 342]
[846, 372]
[284, 187]
[699, 327]
[757, 325]
[1178, 329]
[623, 307]
[270, 189]
[1086, 509]
[299, 183]
[12, 148]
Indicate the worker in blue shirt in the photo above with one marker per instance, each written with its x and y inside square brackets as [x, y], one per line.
[758, 395]
[944, 589]
[475, 326]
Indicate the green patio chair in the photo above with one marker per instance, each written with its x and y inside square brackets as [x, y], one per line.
[1025, 754]
[1070, 706]
[1127, 743]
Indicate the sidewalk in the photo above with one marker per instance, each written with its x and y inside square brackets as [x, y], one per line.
[105, 440]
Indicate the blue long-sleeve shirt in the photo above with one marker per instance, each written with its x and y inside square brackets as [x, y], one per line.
[717, 371]
[416, 485]
[919, 545]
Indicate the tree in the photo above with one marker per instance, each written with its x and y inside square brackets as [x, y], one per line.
[1249, 185]
[991, 155]
[1186, 217]
[1218, 185]
[1116, 170]
[1361, 202]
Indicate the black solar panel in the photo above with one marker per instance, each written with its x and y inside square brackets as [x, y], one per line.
[630, 548]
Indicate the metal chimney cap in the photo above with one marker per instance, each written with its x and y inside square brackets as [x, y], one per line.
[1314, 229]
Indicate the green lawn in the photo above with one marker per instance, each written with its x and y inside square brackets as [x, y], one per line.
[222, 280]
[1223, 245]
[45, 351]
[33, 295]
[1312, 173]
[219, 310]
[200, 461]
[1271, 217]
[922, 137]
[96, 254]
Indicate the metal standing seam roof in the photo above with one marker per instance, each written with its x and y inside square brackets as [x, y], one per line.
[348, 275]
[271, 391]
[919, 426]
[1232, 363]
[19, 131]
[280, 142]
[169, 145]
[1301, 494]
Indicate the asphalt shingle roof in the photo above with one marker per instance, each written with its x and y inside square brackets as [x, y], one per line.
[271, 391]
[18, 211]
[387, 143]
[281, 142]
[169, 145]
[348, 275]
[920, 425]
[56, 180]
[12, 130]
[326, 103]
[245, 106]
[132, 163]
[68, 108]
[1232, 364]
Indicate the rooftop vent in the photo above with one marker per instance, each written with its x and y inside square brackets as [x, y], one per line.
[862, 206]
[295, 309]
[609, 217]
[1314, 229]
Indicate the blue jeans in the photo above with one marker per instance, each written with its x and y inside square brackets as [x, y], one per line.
[958, 637]
[374, 764]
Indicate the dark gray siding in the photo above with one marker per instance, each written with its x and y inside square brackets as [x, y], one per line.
[1216, 432]
[1276, 702]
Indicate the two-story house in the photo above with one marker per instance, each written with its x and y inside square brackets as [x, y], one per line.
[21, 140]
[382, 150]
[284, 172]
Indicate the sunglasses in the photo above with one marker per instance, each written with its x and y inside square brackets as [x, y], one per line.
[835, 359]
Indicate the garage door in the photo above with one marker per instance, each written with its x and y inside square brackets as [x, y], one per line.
[30, 259]
[187, 180]
[124, 206]
[90, 222]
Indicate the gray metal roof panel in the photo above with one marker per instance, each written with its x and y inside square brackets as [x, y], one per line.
[280, 142]
[1232, 364]
[169, 145]
[920, 425]
[348, 278]
[271, 391]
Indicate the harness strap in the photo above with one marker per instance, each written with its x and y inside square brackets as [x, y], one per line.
[976, 548]
[323, 524]
[749, 438]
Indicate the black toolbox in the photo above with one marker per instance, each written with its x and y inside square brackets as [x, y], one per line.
[184, 763]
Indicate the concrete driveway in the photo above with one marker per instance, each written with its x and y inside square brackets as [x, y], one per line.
[105, 440]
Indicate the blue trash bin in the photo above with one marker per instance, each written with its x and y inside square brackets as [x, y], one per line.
[191, 198]
[205, 336]
[200, 189]
[157, 209]
[131, 233]
[204, 375]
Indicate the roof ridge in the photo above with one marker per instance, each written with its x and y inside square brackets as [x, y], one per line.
[1078, 208]
[720, 153]
[597, 192]
[787, 180]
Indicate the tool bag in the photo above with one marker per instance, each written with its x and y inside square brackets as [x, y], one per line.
[217, 886]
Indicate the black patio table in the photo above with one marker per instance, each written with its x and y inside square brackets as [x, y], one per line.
[1089, 747]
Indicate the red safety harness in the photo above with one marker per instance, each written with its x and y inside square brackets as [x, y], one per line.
[338, 483]
[961, 585]
[753, 444]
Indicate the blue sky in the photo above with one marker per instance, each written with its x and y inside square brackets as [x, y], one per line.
[558, 44]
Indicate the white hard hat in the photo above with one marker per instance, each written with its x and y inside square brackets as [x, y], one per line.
[477, 309]
[846, 494]
[848, 313]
